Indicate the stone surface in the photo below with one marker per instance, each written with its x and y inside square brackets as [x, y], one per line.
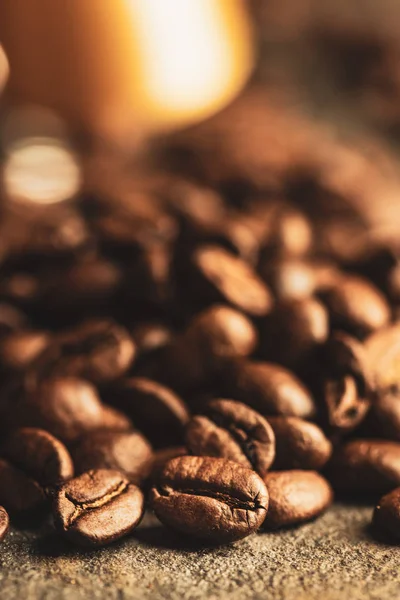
[332, 558]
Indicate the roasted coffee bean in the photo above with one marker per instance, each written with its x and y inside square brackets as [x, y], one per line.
[19, 349]
[293, 332]
[299, 444]
[356, 306]
[98, 507]
[150, 338]
[232, 430]
[343, 383]
[98, 351]
[218, 276]
[212, 338]
[11, 319]
[210, 498]
[366, 466]
[66, 407]
[268, 388]
[33, 460]
[295, 497]
[4, 523]
[155, 409]
[386, 519]
[125, 451]
[289, 232]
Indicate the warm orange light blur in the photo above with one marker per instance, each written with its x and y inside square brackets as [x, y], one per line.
[120, 65]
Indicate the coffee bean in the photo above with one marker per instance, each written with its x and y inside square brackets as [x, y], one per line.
[295, 497]
[232, 430]
[98, 351]
[4, 523]
[366, 466]
[219, 276]
[19, 349]
[214, 336]
[386, 517]
[268, 388]
[125, 451]
[66, 407]
[33, 460]
[97, 508]
[155, 409]
[293, 332]
[150, 337]
[11, 319]
[356, 306]
[210, 498]
[299, 444]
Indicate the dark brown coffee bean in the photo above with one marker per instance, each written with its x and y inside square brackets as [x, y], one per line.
[292, 333]
[33, 460]
[19, 349]
[210, 498]
[220, 276]
[66, 407]
[268, 388]
[366, 466]
[98, 351]
[4, 523]
[98, 507]
[356, 306]
[125, 451]
[214, 336]
[295, 497]
[299, 444]
[386, 517]
[289, 232]
[155, 409]
[232, 430]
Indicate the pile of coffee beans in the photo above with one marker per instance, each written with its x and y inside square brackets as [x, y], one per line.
[222, 351]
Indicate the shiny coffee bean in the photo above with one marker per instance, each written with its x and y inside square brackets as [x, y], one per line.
[356, 306]
[32, 461]
[98, 351]
[4, 523]
[299, 444]
[19, 349]
[295, 497]
[219, 276]
[125, 451]
[386, 519]
[293, 332]
[97, 508]
[155, 409]
[268, 388]
[66, 407]
[366, 466]
[210, 498]
[232, 430]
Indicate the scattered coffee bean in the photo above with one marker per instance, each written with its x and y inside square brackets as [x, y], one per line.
[232, 430]
[210, 498]
[299, 444]
[386, 517]
[295, 497]
[97, 508]
[125, 451]
[32, 460]
[366, 466]
[268, 388]
[4, 523]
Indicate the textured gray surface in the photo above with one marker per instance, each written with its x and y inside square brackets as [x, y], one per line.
[331, 558]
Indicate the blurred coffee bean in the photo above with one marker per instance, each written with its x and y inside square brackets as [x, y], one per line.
[218, 276]
[150, 278]
[268, 388]
[4, 523]
[11, 319]
[125, 451]
[33, 460]
[98, 351]
[20, 288]
[289, 232]
[293, 332]
[295, 497]
[232, 430]
[155, 409]
[299, 444]
[365, 466]
[150, 337]
[19, 349]
[356, 306]
[97, 508]
[386, 519]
